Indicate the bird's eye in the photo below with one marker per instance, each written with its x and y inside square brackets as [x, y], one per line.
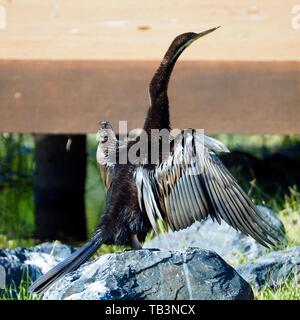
[104, 139]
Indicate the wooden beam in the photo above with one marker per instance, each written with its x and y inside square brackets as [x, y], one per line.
[142, 30]
[66, 64]
[219, 96]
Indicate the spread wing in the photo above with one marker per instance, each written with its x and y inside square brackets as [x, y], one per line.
[193, 184]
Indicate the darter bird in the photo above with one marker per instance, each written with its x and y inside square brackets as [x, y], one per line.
[187, 184]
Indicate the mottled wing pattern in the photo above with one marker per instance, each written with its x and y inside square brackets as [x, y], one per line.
[192, 184]
[106, 175]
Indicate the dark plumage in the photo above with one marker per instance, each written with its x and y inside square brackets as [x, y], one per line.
[186, 185]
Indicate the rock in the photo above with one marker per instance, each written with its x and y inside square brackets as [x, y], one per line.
[273, 268]
[230, 244]
[272, 218]
[148, 274]
[30, 263]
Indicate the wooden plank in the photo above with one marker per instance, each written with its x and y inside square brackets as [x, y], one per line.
[66, 64]
[142, 30]
[222, 96]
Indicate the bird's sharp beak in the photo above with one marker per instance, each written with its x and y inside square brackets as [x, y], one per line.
[204, 33]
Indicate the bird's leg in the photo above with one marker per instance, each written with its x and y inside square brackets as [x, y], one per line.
[135, 243]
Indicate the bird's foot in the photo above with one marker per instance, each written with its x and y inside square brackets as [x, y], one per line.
[135, 243]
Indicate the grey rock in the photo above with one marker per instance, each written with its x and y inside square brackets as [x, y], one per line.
[272, 269]
[230, 244]
[272, 218]
[148, 274]
[57, 250]
[30, 263]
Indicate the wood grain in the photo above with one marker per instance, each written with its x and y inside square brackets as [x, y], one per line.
[219, 96]
[142, 30]
[66, 64]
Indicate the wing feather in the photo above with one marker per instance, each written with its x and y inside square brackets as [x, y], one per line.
[192, 184]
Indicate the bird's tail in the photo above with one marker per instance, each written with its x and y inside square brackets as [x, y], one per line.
[70, 264]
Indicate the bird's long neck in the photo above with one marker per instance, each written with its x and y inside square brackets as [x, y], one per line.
[158, 113]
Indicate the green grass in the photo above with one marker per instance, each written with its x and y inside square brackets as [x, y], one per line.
[20, 292]
[95, 195]
[257, 144]
[16, 182]
[289, 290]
[290, 216]
[9, 243]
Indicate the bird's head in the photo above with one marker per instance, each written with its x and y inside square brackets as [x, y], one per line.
[105, 124]
[160, 80]
[181, 42]
[104, 132]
